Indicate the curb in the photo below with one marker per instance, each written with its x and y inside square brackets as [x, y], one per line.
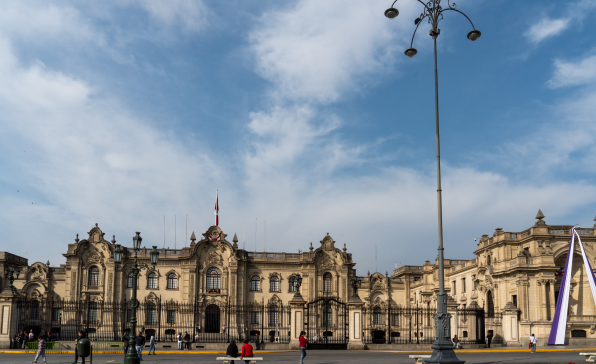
[489, 351]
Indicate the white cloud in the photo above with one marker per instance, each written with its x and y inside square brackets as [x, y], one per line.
[546, 28]
[574, 73]
[190, 15]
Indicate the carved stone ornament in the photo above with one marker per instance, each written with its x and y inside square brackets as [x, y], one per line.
[327, 264]
[442, 326]
[134, 303]
[214, 259]
[93, 258]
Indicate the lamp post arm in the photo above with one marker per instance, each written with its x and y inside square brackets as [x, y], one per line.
[415, 30]
[462, 13]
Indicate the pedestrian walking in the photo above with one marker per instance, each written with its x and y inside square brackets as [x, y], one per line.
[152, 344]
[139, 344]
[41, 350]
[232, 351]
[126, 341]
[533, 341]
[456, 342]
[186, 340]
[246, 351]
[179, 337]
[302, 345]
[489, 337]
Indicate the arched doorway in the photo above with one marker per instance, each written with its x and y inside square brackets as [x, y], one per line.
[212, 313]
[490, 305]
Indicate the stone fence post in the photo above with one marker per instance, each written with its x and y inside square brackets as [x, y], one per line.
[8, 317]
[355, 323]
[297, 322]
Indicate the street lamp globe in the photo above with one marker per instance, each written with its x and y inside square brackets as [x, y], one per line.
[473, 35]
[136, 241]
[154, 255]
[410, 52]
[391, 13]
[118, 254]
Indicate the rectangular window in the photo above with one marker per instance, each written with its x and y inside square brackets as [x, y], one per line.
[463, 285]
[56, 314]
[171, 319]
[35, 313]
[454, 287]
[513, 236]
[514, 300]
[254, 318]
[394, 319]
[273, 316]
[151, 316]
[92, 315]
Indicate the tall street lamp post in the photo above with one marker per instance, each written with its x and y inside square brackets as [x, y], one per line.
[135, 268]
[433, 12]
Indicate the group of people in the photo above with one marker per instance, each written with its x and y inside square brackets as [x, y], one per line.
[184, 341]
[24, 337]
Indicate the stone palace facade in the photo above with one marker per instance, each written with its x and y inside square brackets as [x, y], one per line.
[214, 288]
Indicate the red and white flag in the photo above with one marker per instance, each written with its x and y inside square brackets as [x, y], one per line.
[216, 212]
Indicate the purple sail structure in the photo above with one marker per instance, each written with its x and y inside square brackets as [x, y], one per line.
[557, 332]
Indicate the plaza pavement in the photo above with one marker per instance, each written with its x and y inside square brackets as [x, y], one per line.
[488, 356]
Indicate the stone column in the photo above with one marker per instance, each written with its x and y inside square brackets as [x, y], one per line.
[355, 310]
[297, 323]
[511, 324]
[541, 300]
[552, 302]
[8, 317]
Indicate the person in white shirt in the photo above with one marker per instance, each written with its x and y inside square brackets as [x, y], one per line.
[179, 337]
[315, 339]
[197, 337]
[533, 343]
[152, 345]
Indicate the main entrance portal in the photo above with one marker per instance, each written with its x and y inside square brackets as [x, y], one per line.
[327, 324]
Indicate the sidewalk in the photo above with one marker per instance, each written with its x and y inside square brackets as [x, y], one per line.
[510, 349]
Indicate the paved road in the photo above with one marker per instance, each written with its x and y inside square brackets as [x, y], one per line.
[316, 357]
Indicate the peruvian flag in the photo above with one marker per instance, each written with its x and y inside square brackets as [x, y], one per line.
[216, 212]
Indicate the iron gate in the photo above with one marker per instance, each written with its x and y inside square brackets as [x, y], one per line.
[327, 324]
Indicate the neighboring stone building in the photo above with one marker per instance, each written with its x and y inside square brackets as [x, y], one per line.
[212, 288]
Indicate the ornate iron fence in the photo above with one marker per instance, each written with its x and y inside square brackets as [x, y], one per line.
[204, 322]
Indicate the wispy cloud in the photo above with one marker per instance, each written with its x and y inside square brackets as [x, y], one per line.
[546, 28]
[578, 73]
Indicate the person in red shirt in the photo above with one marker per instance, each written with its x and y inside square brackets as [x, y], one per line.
[246, 351]
[303, 341]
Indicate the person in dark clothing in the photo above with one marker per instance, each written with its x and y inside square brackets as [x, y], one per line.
[489, 337]
[80, 337]
[232, 351]
[139, 344]
[186, 340]
[126, 341]
[21, 339]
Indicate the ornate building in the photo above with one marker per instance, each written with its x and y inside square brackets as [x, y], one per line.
[215, 290]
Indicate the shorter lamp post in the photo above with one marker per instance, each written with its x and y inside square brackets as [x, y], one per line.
[135, 267]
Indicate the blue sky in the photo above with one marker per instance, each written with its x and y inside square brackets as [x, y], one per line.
[306, 114]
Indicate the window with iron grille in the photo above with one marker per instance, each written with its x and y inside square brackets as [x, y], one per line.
[327, 316]
[254, 318]
[35, 310]
[172, 281]
[273, 315]
[377, 316]
[56, 314]
[92, 313]
[151, 314]
[171, 317]
[213, 278]
[274, 284]
[255, 283]
[327, 282]
[394, 319]
[152, 280]
[93, 276]
[293, 283]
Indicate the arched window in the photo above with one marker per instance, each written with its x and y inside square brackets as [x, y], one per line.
[152, 280]
[293, 283]
[274, 284]
[130, 278]
[377, 316]
[255, 283]
[172, 281]
[327, 282]
[93, 276]
[213, 279]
